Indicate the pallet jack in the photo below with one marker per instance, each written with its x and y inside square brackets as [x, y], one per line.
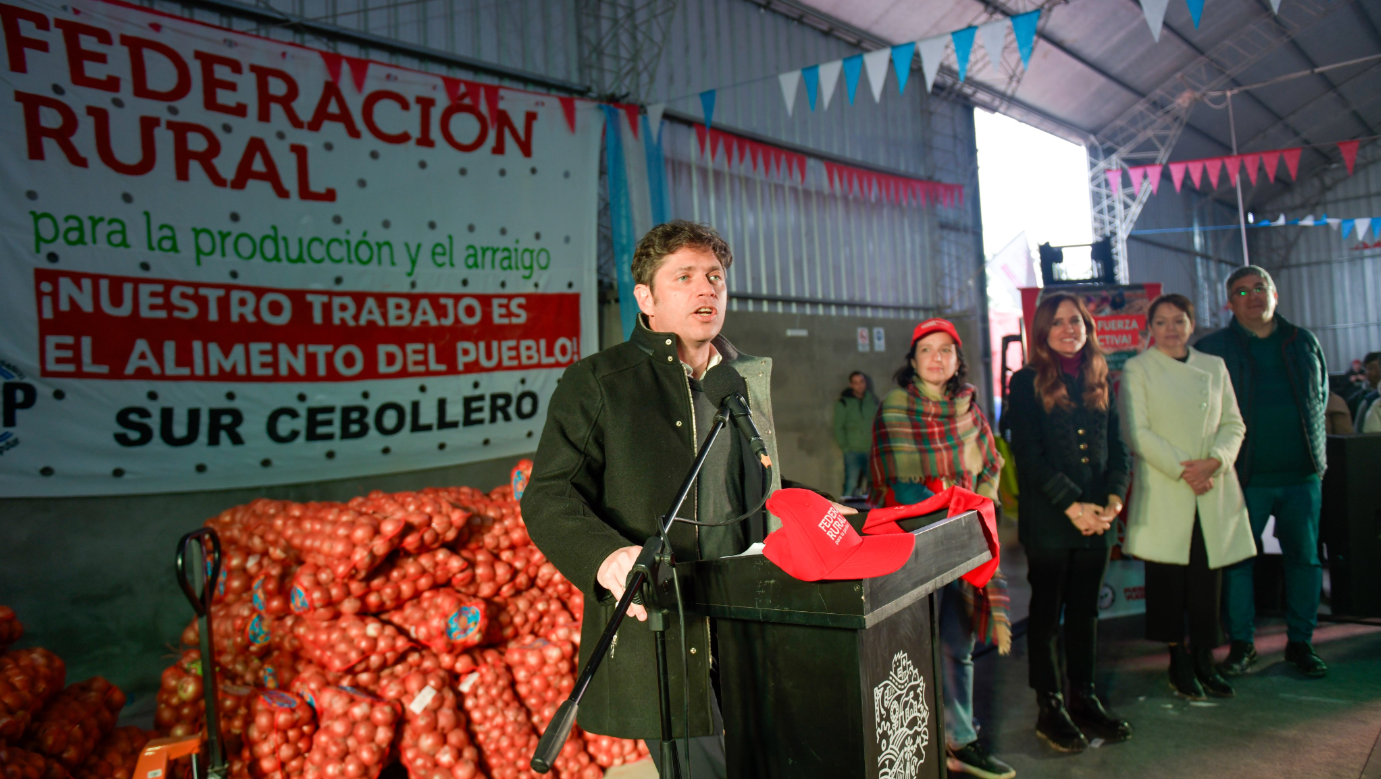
[206, 749]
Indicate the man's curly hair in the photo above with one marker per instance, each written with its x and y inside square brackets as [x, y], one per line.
[671, 237]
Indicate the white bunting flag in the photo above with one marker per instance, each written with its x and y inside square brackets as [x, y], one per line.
[1275, 6]
[1334, 223]
[829, 77]
[1362, 224]
[994, 37]
[932, 52]
[1155, 15]
[654, 120]
[1279, 222]
[876, 63]
[791, 84]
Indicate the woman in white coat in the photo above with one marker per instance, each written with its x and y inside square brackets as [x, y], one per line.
[1187, 517]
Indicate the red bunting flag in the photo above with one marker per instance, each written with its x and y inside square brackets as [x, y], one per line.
[1349, 152]
[633, 113]
[1177, 174]
[453, 85]
[1292, 161]
[1137, 172]
[1270, 160]
[1250, 161]
[333, 62]
[491, 100]
[1115, 180]
[359, 68]
[1215, 169]
[567, 110]
[1153, 177]
[1233, 164]
[700, 136]
[1196, 172]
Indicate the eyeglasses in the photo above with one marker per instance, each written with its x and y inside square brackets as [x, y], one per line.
[1259, 290]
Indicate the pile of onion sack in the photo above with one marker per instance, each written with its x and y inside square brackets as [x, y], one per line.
[52, 730]
[420, 628]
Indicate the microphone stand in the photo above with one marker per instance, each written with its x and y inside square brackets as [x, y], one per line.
[648, 582]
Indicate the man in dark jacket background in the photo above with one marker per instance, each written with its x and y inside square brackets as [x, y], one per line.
[621, 433]
[1281, 380]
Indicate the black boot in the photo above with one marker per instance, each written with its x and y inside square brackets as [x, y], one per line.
[1241, 656]
[1054, 726]
[1212, 682]
[1183, 681]
[1088, 713]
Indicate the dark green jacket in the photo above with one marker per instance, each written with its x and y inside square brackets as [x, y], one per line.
[1308, 373]
[1063, 457]
[853, 421]
[619, 438]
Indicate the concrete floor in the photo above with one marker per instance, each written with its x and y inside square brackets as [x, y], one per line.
[1280, 724]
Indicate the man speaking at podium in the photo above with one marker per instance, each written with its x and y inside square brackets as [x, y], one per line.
[622, 431]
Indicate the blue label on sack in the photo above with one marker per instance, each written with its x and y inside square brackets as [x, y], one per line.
[519, 483]
[220, 583]
[463, 623]
[307, 696]
[279, 698]
[270, 677]
[258, 631]
[299, 600]
[258, 597]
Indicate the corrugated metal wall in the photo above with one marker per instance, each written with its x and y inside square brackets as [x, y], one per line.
[866, 251]
[1180, 241]
[1326, 284]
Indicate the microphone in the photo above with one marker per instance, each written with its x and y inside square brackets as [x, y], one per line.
[725, 388]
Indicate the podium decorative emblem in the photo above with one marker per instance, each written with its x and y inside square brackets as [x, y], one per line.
[902, 720]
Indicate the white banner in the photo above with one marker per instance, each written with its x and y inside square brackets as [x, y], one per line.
[230, 261]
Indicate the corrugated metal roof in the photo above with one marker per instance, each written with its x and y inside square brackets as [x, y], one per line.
[1094, 60]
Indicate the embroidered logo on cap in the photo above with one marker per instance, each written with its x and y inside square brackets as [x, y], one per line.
[833, 523]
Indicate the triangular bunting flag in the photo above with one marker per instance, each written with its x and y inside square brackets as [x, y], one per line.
[1347, 226]
[1196, 11]
[1291, 157]
[1275, 6]
[1279, 222]
[707, 106]
[803, 160]
[654, 120]
[1215, 168]
[1250, 163]
[359, 68]
[1308, 221]
[333, 61]
[716, 140]
[1270, 161]
[791, 83]
[778, 160]
[700, 133]
[994, 37]
[853, 68]
[452, 87]
[901, 63]
[1362, 224]
[875, 62]
[1153, 177]
[1334, 223]
[1233, 164]
[1196, 172]
[1136, 172]
[743, 146]
[730, 149]
[932, 53]
[963, 48]
[1349, 151]
[567, 110]
[829, 174]
[1024, 27]
[634, 114]
[755, 151]
[829, 77]
[811, 75]
[1115, 180]
[1177, 174]
[1154, 11]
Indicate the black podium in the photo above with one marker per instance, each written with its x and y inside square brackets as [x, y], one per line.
[1350, 525]
[839, 679]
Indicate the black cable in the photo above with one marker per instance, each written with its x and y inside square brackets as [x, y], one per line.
[766, 483]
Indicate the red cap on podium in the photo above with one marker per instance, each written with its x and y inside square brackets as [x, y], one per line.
[816, 542]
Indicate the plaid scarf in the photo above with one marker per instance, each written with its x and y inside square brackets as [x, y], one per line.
[919, 440]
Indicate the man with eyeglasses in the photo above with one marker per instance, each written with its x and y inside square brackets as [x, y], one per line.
[1281, 381]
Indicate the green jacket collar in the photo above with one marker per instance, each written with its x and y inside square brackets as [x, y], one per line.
[663, 345]
[1283, 326]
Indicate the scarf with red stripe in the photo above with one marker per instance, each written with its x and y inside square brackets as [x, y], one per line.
[919, 440]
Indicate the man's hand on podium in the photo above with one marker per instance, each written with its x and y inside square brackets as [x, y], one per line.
[613, 575]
